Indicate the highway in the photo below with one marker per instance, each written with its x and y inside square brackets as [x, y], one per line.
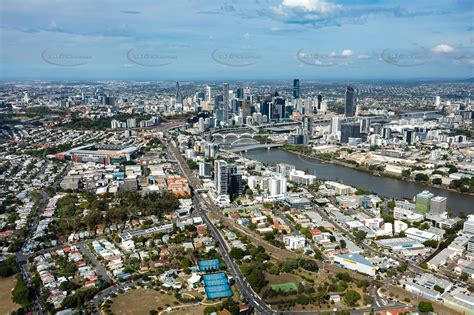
[242, 285]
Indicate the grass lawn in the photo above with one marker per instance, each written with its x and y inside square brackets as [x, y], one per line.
[141, 301]
[285, 287]
[282, 278]
[6, 303]
[189, 310]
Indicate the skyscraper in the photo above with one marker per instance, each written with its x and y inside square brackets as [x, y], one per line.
[335, 125]
[296, 88]
[208, 94]
[226, 102]
[307, 125]
[409, 136]
[365, 125]
[220, 177]
[239, 93]
[320, 99]
[350, 130]
[246, 108]
[179, 94]
[350, 102]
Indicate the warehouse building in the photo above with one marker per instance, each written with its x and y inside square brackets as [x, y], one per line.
[356, 262]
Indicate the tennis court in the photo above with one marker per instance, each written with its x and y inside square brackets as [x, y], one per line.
[216, 286]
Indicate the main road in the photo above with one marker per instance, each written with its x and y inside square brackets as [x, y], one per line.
[242, 285]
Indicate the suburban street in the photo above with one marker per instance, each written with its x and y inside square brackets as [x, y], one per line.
[98, 266]
[242, 285]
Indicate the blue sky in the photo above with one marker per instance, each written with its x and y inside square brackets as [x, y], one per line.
[239, 39]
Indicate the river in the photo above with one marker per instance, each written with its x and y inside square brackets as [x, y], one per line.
[384, 186]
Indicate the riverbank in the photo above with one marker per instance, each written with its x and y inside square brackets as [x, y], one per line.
[371, 172]
[384, 186]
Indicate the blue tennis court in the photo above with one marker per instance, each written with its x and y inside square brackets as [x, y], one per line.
[211, 264]
[216, 286]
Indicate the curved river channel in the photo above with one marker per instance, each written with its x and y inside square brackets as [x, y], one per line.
[384, 186]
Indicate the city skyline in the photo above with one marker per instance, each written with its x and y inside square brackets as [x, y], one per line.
[254, 40]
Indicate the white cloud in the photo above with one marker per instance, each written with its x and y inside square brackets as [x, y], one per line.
[316, 6]
[347, 53]
[332, 54]
[442, 49]
[363, 57]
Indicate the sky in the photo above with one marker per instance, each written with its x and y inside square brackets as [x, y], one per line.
[236, 39]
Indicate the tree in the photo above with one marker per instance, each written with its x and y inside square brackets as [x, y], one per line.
[367, 299]
[93, 218]
[438, 288]
[303, 300]
[342, 243]
[351, 297]
[420, 177]
[391, 204]
[22, 294]
[406, 173]
[237, 253]
[8, 267]
[360, 235]
[437, 181]
[425, 306]
[344, 276]
[431, 243]
[309, 265]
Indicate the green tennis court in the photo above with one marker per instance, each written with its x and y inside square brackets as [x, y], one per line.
[285, 287]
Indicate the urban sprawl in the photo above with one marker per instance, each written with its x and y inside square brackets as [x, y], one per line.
[218, 198]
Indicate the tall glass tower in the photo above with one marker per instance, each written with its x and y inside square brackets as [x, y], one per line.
[350, 107]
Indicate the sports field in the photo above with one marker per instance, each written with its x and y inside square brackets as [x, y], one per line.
[285, 287]
[6, 287]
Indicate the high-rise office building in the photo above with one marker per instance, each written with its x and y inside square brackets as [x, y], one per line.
[266, 108]
[351, 130]
[438, 205]
[278, 108]
[239, 93]
[204, 169]
[350, 107]
[246, 108]
[335, 126]
[386, 133]
[307, 125]
[365, 125]
[409, 136]
[208, 95]
[296, 88]
[277, 186]
[179, 94]
[226, 102]
[423, 201]
[220, 177]
[236, 185]
[320, 100]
